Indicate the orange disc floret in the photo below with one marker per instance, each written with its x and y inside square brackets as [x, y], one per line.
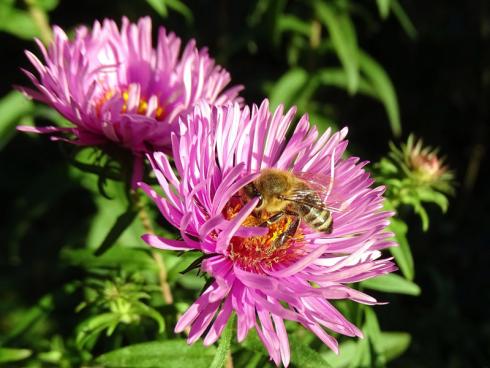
[260, 253]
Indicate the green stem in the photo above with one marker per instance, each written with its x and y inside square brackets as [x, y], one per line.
[40, 18]
[162, 270]
[223, 353]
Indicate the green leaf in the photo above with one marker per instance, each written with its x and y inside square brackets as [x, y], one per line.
[404, 19]
[17, 22]
[44, 306]
[106, 210]
[337, 77]
[288, 22]
[381, 83]
[362, 355]
[143, 309]
[344, 40]
[181, 8]
[373, 333]
[122, 223]
[402, 253]
[384, 8]
[427, 194]
[13, 355]
[392, 284]
[305, 357]
[46, 5]
[224, 345]
[372, 326]
[253, 343]
[347, 352]
[159, 6]
[288, 87]
[90, 328]
[394, 344]
[168, 354]
[13, 107]
[131, 259]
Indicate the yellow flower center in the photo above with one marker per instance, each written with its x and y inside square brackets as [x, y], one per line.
[260, 253]
[142, 105]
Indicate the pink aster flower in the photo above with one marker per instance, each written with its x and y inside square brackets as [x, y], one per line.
[115, 86]
[221, 150]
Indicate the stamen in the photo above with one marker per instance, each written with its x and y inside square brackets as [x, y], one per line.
[260, 253]
[142, 105]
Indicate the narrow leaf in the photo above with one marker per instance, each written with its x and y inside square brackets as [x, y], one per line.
[170, 353]
[394, 343]
[402, 253]
[287, 87]
[392, 284]
[344, 40]
[288, 22]
[122, 222]
[404, 19]
[384, 8]
[381, 83]
[181, 8]
[12, 107]
[159, 6]
[13, 355]
[337, 77]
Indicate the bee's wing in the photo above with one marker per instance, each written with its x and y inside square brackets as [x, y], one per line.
[322, 186]
[307, 196]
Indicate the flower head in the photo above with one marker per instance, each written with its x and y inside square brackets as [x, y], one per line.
[422, 165]
[263, 269]
[115, 86]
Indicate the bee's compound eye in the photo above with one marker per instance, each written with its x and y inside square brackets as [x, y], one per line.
[259, 203]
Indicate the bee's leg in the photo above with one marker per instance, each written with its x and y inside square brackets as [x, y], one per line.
[272, 219]
[288, 233]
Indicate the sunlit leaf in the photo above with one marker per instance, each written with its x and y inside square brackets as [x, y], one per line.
[181, 8]
[171, 354]
[289, 22]
[392, 284]
[288, 87]
[17, 22]
[337, 77]
[143, 309]
[402, 253]
[91, 328]
[12, 107]
[392, 343]
[344, 39]
[131, 259]
[159, 6]
[46, 5]
[381, 83]
[123, 221]
[384, 7]
[430, 195]
[304, 356]
[13, 355]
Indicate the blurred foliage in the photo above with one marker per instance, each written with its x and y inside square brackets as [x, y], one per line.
[71, 240]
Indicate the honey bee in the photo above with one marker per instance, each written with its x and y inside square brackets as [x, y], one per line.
[284, 193]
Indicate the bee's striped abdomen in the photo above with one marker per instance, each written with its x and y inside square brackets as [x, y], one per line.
[319, 219]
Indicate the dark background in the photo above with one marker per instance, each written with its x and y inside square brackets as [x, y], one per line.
[442, 79]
